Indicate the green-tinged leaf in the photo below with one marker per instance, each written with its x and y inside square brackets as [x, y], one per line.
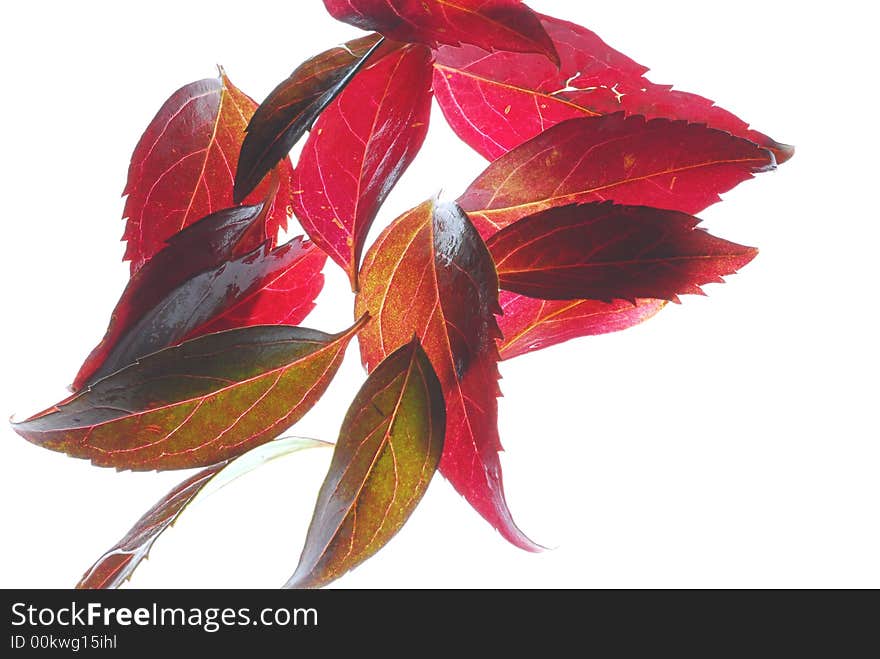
[388, 450]
[430, 274]
[196, 404]
[118, 564]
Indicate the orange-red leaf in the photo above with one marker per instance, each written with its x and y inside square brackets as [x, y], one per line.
[497, 101]
[605, 251]
[358, 150]
[184, 165]
[664, 164]
[193, 405]
[489, 24]
[388, 450]
[430, 274]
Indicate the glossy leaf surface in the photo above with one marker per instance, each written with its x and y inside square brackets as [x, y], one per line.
[183, 167]
[281, 289]
[202, 246]
[207, 400]
[430, 274]
[293, 106]
[489, 24]
[529, 324]
[118, 564]
[496, 101]
[261, 288]
[665, 164]
[360, 147]
[605, 251]
[388, 450]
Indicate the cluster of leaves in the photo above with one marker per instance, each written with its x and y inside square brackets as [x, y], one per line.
[582, 224]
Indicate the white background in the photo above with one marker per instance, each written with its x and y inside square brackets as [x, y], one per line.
[731, 442]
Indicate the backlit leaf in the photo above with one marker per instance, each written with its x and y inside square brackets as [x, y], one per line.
[664, 164]
[529, 324]
[283, 293]
[360, 147]
[118, 564]
[194, 405]
[183, 167]
[388, 450]
[490, 24]
[605, 251]
[293, 106]
[430, 274]
[496, 101]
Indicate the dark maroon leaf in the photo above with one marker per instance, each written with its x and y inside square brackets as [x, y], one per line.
[202, 246]
[293, 106]
[196, 306]
[604, 251]
[284, 295]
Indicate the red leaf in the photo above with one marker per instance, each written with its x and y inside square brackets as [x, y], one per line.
[388, 450]
[602, 251]
[529, 324]
[497, 101]
[118, 564]
[292, 107]
[660, 163]
[358, 150]
[490, 24]
[183, 167]
[261, 288]
[430, 274]
[197, 404]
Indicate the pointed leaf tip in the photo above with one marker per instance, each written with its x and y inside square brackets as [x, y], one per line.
[665, 164]
[181, 169]
[497, 101]
[606, 252]
[196, 404]
[529, 324]
[119, 563]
